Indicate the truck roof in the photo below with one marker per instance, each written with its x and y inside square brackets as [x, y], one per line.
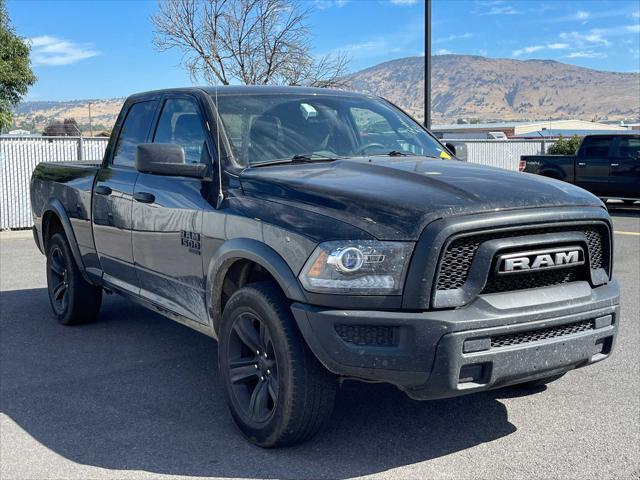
[254, 89]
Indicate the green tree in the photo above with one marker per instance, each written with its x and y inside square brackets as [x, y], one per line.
[565, 146]
[15, 68]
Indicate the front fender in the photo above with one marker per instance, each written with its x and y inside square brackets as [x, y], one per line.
[255, 251]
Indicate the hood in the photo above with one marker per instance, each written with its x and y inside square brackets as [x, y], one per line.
[395, 198]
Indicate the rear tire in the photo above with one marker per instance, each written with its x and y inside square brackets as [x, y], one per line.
[73, 300]
[541, 382]
[277, 391]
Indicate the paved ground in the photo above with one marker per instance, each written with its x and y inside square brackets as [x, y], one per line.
[135, 395]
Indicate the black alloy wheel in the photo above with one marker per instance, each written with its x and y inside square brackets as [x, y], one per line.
[73, 299]
[58, 280]
[277, 391]
[253, 367]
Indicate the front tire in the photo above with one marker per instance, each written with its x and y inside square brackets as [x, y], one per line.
[277, 391]
[73, 300]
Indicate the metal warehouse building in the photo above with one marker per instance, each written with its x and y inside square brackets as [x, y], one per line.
[551, 128]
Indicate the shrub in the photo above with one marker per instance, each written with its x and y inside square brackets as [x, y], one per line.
[565, 146]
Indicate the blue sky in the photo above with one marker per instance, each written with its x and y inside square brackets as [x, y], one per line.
[103, 49]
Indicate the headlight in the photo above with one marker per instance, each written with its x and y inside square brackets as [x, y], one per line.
[357, 267]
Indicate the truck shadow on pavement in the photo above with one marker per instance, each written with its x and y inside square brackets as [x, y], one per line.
[137, 391]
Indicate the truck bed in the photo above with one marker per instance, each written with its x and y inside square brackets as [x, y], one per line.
[554, 166]
[68, 183]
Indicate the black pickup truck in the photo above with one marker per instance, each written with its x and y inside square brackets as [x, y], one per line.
[323, 235]
[606, 165]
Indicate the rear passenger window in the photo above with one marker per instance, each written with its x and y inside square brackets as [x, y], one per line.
[180, 123]
[597, 147]
[134, 132]
[629, 147]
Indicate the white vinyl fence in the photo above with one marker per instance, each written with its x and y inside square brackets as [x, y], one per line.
[20, 155]
[502, 153]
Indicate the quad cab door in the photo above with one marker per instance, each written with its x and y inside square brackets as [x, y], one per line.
[593, 165]
[113, 191]
[167, 215]
[625, 167]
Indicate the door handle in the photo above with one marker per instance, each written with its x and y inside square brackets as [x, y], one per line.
[615, 164]
[144, 197]
[582, 164]
[103, 190]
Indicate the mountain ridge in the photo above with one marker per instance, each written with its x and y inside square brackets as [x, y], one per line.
[470, 86]
[463, 87]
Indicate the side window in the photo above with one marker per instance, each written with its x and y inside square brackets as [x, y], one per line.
[597, 147]
[133, 132]
[180, 122]
[629, 147]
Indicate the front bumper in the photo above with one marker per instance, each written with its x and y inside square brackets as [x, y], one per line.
[497, 340]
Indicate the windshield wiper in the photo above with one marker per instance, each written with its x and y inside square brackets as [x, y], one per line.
[313, 157]
[299, 158]
[392, 153]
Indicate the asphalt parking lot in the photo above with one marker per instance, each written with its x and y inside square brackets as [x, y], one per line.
[135, 395]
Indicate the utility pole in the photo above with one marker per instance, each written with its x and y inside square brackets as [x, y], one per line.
[427, 64]
[90, 123]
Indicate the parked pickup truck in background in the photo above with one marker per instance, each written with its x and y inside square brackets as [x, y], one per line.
[321, 235]
[606, 165]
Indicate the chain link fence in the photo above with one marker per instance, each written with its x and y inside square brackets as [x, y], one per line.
[20, 155]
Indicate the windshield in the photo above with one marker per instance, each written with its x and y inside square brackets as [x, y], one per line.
[268, 127]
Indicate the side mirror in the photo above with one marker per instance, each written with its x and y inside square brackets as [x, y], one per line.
[166, 159]
[459, 150]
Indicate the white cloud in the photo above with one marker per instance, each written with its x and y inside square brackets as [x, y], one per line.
[450, 38]
[53, 51]
[537, 48]
[595, 36]
[482, 52]
[582, 15]
[586, 54]
[443, 51]
[635, 52]
[501, 10]
[404, 2]
[633, 28]
[324, 4]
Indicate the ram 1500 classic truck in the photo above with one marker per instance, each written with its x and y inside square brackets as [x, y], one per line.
[606, 165]
[324, 235]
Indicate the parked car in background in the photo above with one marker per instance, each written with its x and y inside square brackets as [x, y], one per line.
[319, 236]
[606, 165]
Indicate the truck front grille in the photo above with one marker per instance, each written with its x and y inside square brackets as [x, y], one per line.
[548, 278]
[459, 254]
[512, 339]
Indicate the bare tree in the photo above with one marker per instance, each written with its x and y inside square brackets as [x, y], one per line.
[251, 41]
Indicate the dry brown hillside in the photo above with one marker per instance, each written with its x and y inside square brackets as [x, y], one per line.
[463, 87]
[502, 89]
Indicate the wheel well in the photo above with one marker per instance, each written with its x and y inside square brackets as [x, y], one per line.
[241, 272]
[550, 174]
[51, 225]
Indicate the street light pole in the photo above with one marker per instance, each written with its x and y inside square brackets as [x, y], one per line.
[90, 122]
[427, 64]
